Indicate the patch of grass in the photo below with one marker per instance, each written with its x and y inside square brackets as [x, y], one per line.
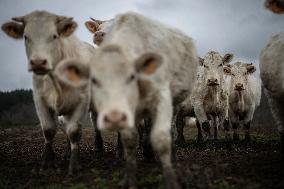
[3, 183]
[101, 183]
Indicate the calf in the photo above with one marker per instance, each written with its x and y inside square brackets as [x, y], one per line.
[244, 96]
[99, 29]
[210, 95]
[272, 76]
[141, 66]
[49, 42]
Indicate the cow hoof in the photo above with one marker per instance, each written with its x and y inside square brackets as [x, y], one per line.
[180, 143]
[236, 137]
[172, 184]
[247, 138]
[99, 153]
[74, 170]
[127, 184]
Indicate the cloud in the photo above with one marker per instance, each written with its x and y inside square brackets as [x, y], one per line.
[242, 27]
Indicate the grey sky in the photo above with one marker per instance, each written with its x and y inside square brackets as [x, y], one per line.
[242, 27]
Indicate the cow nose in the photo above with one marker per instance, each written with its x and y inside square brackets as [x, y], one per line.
[239, 86]
[115, 117]
[38, 62]
[212, 81]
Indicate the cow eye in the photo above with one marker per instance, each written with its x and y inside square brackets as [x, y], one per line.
[54, 36]
[206, 66]
[220, 65]
[26, 38]
[96, 82]
[131, 78]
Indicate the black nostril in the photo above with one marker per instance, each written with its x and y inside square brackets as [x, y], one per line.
[216, 80]
[123, 118]
[96, 35]
[44, 62]
[106, 119]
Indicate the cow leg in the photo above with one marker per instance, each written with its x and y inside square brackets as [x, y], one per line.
[99, 144]
[48, 126]
[226, 126]
[161, 139]
[148, 152]
[119, 146]
[129, 140]
[215, 126]
[235, 131]
[180, 141]
[247, 131]
[199, 134]
[48, 155]
[206, 128]
[277, 109]
[74, 132]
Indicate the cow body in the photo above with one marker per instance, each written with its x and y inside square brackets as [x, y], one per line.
[49, 42]
[140, 70]
[272, 76]
[244, 96]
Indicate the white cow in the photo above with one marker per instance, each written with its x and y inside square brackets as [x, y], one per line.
[49, 42]
[244, 96]
[272, 76]
[99, 29]
[136, 72]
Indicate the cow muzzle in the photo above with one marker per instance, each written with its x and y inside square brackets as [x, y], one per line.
[239, 87]
[212, 82]
[39, 66]
[115, 120]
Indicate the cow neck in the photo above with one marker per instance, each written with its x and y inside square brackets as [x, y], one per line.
[213, 93]
[59, 101]
[240, 99]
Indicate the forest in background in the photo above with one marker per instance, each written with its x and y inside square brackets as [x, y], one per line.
[17, 109]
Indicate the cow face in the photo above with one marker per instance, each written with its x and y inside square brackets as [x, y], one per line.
[43, 34]
[115, 83]
[213, 64]
[239, 73]
[99, 29]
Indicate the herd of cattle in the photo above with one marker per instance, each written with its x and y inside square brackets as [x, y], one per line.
[143, 74]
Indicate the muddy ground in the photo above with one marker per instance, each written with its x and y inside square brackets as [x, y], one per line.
[209, 165]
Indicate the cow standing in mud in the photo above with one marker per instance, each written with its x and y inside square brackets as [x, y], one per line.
[139, 68]
[244, 96]
[49, 42]
[272, 76]
[210, 95]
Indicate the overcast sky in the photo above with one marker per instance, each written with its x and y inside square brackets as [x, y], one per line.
[242, 27]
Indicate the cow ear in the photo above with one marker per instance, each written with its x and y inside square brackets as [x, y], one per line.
[227, 70]
[148, 63]
[227, 58]
[91, 26]
[72, 73]
[66, 26]
[14, 30]
[250, 68]
[201, 61]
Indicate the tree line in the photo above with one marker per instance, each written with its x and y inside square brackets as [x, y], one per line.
[17, 109]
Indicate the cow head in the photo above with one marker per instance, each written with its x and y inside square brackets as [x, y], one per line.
[239, 73]
[213, 64]
[43, 34]
[115, 81]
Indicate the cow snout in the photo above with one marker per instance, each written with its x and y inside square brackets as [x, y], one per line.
[98, 37]
[239, 87]
[212, 82]
[115, 119]
[39, 66]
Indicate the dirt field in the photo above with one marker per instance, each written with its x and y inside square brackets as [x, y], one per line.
[210, 165]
